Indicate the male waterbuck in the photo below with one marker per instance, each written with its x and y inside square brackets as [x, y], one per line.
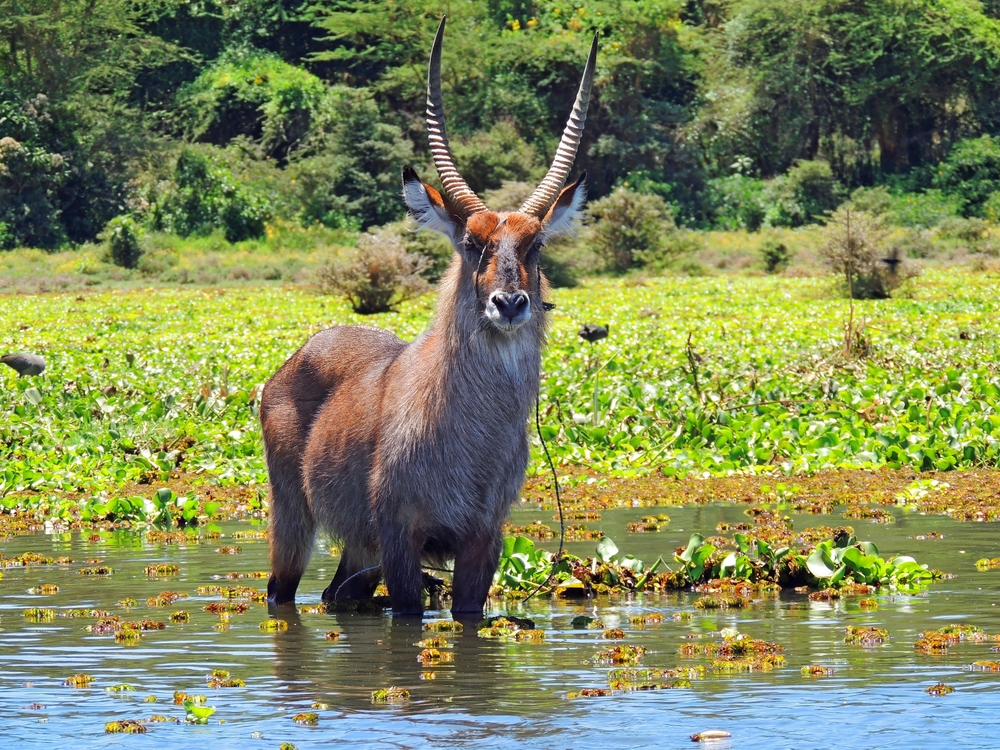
[412, 452]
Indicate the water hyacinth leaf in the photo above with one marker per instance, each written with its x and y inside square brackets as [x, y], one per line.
[606, 549]
[694, 543]
[817, 564]
[33, 395]
[196, 713]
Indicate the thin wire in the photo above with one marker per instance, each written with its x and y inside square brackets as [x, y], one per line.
[562, 520]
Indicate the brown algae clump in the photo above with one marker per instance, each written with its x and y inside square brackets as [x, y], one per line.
[274, 626]
[230, 550]
[622, 654]
[162, 569]
[432, 656]
[390, 695]
[590, 693]
[99, 570]
[39, 615]
[124, 726]
[443, 626]
[613, 634]
[868, 604]
[164, 599]
[817, 671]
[866, 635]
[308, 718]
[939, 689]
[641, 621]
[78, 681]
[438, 641]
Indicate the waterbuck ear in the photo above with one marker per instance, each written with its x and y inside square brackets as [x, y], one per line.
[561, 217]
[431, 208]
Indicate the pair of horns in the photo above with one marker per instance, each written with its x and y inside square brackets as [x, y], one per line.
[455, 185]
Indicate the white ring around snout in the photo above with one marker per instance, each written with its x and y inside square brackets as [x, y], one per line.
[502, 321]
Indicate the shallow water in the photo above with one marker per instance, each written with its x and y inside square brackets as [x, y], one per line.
[493, 694]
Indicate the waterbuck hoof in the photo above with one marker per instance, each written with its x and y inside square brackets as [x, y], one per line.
[278, 593]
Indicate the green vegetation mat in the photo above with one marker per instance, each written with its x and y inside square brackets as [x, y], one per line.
[152, 384]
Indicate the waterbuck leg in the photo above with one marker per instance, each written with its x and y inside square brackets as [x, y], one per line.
[350, 583]
[291, 530]
[474, 569]
[401, 570]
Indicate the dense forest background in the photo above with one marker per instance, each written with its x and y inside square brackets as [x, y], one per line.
[191, 117]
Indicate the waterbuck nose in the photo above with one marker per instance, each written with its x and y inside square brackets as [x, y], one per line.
[510, 304]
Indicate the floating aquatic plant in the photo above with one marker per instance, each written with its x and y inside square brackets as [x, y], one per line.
[641, 621]
[817, 671]
[162, 569]
[437, 641]
[164, 599]
[273, 626]
[390, 695]
[44, 589]
[78, 681]
[590, 693]
[622, 654]
[180, 617]
[122, 688]
[124, 726]
[230, 550]
[100, 570]
[939, 689]
[307, 718]
[866, 635]
[128, 603]
[39, 615]
[443, 626]
[196, 712]
[332, 635]
[613, 634]
[988, 563]
[431, 656]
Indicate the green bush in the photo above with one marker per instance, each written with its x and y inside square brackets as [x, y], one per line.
[348, 170]
[122, 236]
[205, 195]
[376, 275]
[971, 173]
[491, 157]
[739, 202]
[854, 247]
[775, 255]
[971, 230]
[255, 94]
[991, 208]
[32, 174]
[630, 229]
[812, 187]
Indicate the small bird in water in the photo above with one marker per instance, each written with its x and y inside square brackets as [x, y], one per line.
[591, 332]
[24, 363]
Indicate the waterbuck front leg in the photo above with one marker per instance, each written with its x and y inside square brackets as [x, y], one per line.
[475, 565]
[401, 568]
[354, 579]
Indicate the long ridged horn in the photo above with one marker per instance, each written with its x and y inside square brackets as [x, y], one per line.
[549, 188]
[454, 185]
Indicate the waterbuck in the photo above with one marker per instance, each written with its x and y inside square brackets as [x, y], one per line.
[412, 452]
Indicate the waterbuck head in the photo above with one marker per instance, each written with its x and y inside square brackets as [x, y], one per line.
[500, 250]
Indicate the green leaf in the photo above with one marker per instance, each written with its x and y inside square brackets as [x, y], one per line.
[817, 565]
[606, 549]
[33, 395]
[694, 542]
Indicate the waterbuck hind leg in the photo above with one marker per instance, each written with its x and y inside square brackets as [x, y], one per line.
[291, 531]
[353, 580]
[475, 565]
[401, 570]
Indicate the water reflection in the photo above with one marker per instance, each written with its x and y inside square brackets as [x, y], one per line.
[495, 694]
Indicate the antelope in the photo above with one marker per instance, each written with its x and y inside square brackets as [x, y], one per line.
[413, 452]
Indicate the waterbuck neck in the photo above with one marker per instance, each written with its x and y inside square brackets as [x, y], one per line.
[468, 360]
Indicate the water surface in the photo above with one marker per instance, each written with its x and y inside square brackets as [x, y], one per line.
[493, 695]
